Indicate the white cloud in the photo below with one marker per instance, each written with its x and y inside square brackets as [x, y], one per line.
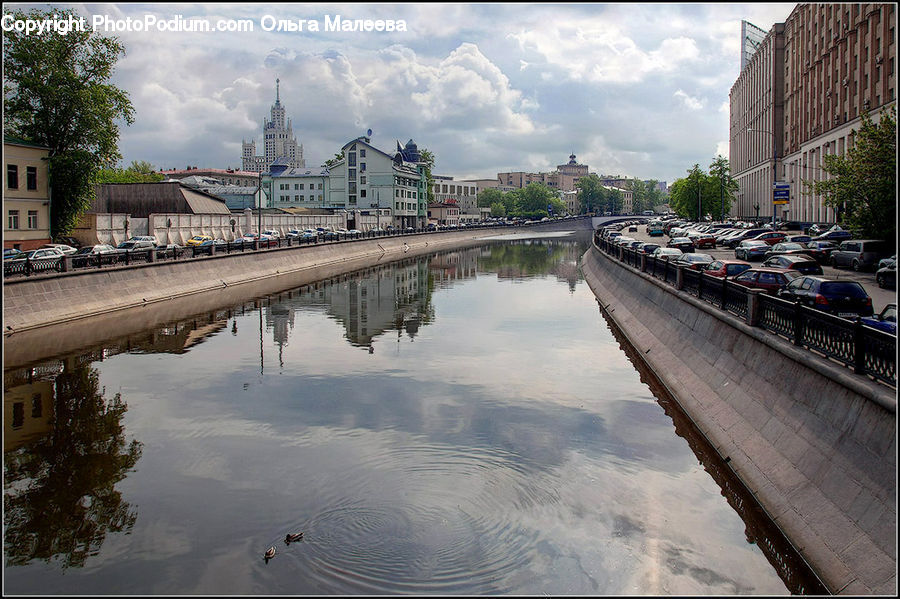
[690, 102]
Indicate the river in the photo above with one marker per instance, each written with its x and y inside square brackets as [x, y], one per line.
[462, 423]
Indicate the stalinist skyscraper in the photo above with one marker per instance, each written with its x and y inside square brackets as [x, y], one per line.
[280, 141]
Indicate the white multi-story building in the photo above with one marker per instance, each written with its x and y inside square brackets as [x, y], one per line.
[368, 179]
[279, 140]
[289, 187]
[463, 193]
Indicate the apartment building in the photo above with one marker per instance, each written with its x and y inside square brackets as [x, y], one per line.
[26, 195]
[800, 97]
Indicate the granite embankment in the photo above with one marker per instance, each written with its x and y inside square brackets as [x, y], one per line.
[813, 442]
[42, 301]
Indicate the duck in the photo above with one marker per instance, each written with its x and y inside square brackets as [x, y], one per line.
[292, 537]
[270, 553]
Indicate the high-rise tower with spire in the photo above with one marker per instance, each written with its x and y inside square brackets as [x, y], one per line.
[280, 143]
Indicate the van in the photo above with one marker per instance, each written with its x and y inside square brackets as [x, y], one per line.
[859, 254]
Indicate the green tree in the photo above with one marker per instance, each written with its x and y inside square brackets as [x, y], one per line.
[427, 157]
[720, 171]
[534, 199]
[57, 94]
[138, 172]
[498, 210]
[488, 197]
[590, 194]
[332, 161]
[863, 183]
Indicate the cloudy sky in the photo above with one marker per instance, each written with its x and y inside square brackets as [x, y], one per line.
[639, 90]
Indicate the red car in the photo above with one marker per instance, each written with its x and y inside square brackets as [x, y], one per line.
[772, 237]
[702, 240]
[726, 268]
[769, 280]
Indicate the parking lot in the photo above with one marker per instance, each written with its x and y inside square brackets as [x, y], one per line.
[880, 297]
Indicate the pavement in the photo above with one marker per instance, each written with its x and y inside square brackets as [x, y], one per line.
[880, 297]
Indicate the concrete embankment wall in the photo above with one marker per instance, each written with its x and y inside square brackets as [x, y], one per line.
[31, 303]
[815, 443]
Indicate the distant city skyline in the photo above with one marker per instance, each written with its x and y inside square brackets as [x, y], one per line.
[637, 90]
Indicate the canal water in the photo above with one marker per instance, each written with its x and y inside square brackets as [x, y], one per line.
[462, 423]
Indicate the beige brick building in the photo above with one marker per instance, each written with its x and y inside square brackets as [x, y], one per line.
[26, 195]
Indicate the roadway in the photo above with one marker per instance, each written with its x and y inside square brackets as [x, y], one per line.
[880, 297]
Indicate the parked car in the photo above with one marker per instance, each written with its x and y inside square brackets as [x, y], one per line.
[820, 251]
[835, 233]
[769, 280]
[799, 238]
[169, 250]
[887, 261]
[681, 243]
[197, 240]
[207, 246]
[655, 230]
[136, 244]
[800, 263]
[771, 237]
[858, 254]
[38, 254]
[89, 255]
[62, 247]
[649, 248]
[726, 268]
[751, 249]
[733, 241]
[272, 233]
[786, 247]
[694, 261]
[666, 253]
[702, 240]
[841, 298]
[10, 253]
[886, 277]
[886, 320]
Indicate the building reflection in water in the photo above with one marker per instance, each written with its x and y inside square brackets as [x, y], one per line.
[64, 451]
[64, 441]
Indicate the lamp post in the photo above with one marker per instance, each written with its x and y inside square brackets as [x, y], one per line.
[774, 169]
[259, 204]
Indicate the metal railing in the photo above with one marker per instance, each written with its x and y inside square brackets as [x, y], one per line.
[128, 257]
[866, 350]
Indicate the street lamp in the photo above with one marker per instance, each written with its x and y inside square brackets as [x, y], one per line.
[259, 204]
[774, 169]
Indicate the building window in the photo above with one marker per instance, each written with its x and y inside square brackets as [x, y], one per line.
[352, 199]
[12, 176]
[13, 221]
[31, 178]
[32, 219]
[362, 179]
[351, 174]
[362, 153]
[351, 159]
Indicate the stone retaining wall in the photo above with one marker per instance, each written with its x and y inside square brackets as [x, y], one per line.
[815, 445]
[40, 301]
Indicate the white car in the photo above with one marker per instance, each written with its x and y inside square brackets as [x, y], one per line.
[272, 233]
[65, 249]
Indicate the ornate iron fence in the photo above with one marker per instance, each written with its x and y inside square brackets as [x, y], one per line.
[868, 351]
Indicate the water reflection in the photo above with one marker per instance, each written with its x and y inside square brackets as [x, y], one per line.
[64, 452]
[493, 441]
[791, 567]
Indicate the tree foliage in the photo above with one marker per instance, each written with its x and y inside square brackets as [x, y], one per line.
[863, 183]
[138, 172]
[338, 157]
[57, 94]
[704, 194]
[427, 156]
[594, 197]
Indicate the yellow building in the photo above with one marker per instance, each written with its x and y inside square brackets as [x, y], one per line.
[26, 195]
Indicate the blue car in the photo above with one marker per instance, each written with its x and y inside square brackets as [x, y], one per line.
[885, 321]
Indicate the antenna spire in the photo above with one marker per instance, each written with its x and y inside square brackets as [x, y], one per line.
[277, 91]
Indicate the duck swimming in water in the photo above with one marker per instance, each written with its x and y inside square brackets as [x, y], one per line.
[292, 537]
[269, 554]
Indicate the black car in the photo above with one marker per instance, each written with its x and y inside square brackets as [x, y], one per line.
[733, 242]
[800, 263]
[841, 298]
[820, 250]
[887, 277]
[682, 243]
